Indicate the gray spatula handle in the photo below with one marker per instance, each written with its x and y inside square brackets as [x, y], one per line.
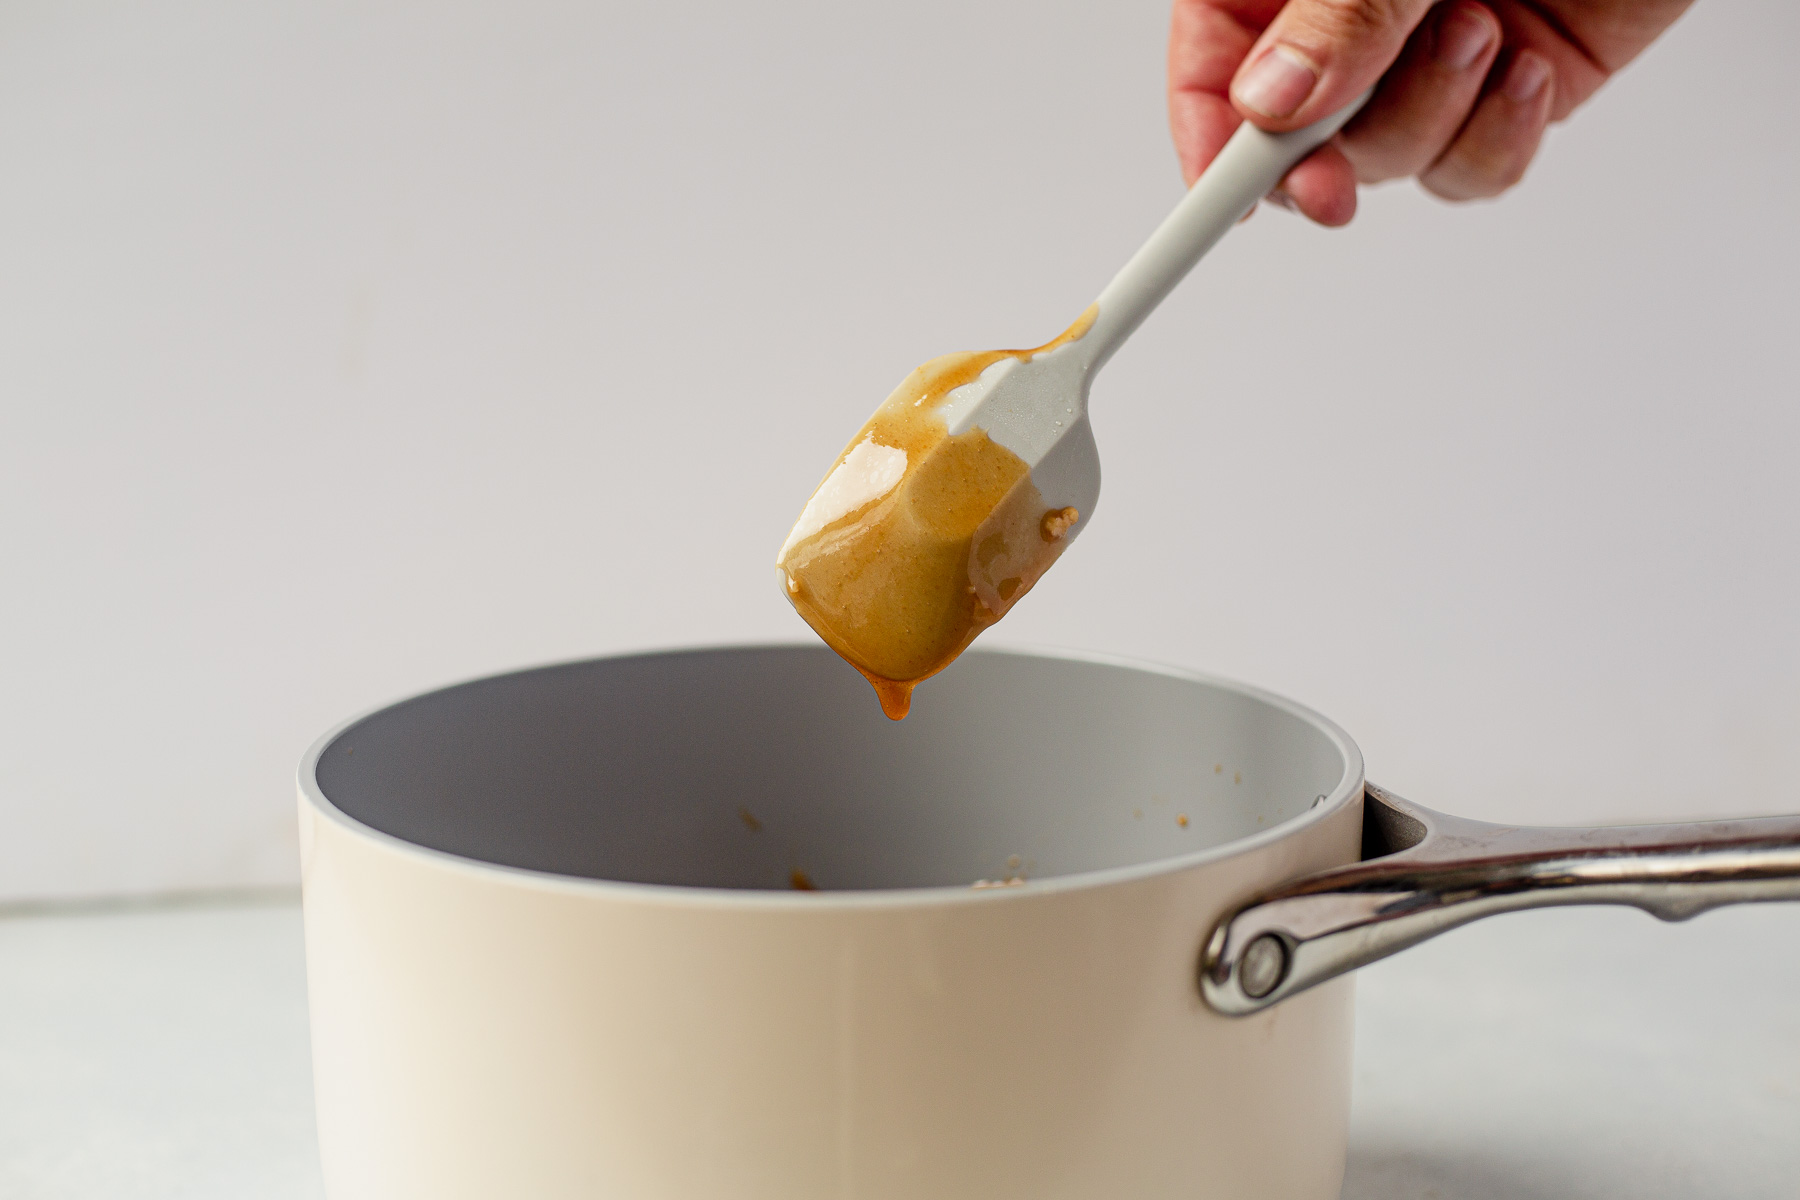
[1246, 170]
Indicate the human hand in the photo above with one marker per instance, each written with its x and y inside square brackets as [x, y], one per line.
[1467, 86]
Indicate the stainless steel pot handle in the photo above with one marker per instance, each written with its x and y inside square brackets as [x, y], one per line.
[1425, 872]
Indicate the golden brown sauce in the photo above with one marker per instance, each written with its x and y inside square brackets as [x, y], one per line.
[927, 554]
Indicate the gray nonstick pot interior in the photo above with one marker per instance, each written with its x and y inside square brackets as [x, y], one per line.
[735, 768]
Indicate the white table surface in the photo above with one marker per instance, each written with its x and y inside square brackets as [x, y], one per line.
[162, 1052]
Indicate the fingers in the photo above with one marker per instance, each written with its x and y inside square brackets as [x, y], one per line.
[1322, 187]
[1318, 55]
[1426, 97]
[1466, 90]
[1207, 42]
[1493, 149]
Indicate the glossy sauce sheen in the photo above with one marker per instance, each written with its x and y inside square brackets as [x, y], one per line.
[899, 564]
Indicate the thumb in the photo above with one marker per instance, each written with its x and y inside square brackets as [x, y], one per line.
[1318, 55]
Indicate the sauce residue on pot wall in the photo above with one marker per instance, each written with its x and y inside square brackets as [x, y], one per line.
[917, 541]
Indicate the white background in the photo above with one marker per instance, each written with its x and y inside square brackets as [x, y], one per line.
[347, 349]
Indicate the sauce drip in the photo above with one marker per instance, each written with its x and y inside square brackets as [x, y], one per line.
[917, 541]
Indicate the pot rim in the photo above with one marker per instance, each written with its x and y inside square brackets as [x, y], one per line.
[1348, 788]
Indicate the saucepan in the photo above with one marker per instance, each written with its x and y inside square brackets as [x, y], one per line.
[704, 924]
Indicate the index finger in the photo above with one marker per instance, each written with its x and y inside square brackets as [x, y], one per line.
[1208, 41]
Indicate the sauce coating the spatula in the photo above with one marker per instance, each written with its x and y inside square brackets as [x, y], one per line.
[918, 540]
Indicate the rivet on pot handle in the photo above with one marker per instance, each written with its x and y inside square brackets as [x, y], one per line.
[1425, 872]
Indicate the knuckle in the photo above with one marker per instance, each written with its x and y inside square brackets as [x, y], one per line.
[1386, 150]
[1475, 173]
[1377, 163]
[1355, 18]
[1501, 172]
[1509, 179]
[1447, 181]
[1445, 190]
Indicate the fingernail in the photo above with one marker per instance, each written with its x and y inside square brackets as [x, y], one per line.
[1526, 77]
[1277, 84]
[1462, 37]
[1281, 199]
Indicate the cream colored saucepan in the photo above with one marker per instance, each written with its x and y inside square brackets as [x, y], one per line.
[556, 949]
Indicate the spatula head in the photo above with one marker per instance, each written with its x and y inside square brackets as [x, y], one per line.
[944, 510]
[1037, 408]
